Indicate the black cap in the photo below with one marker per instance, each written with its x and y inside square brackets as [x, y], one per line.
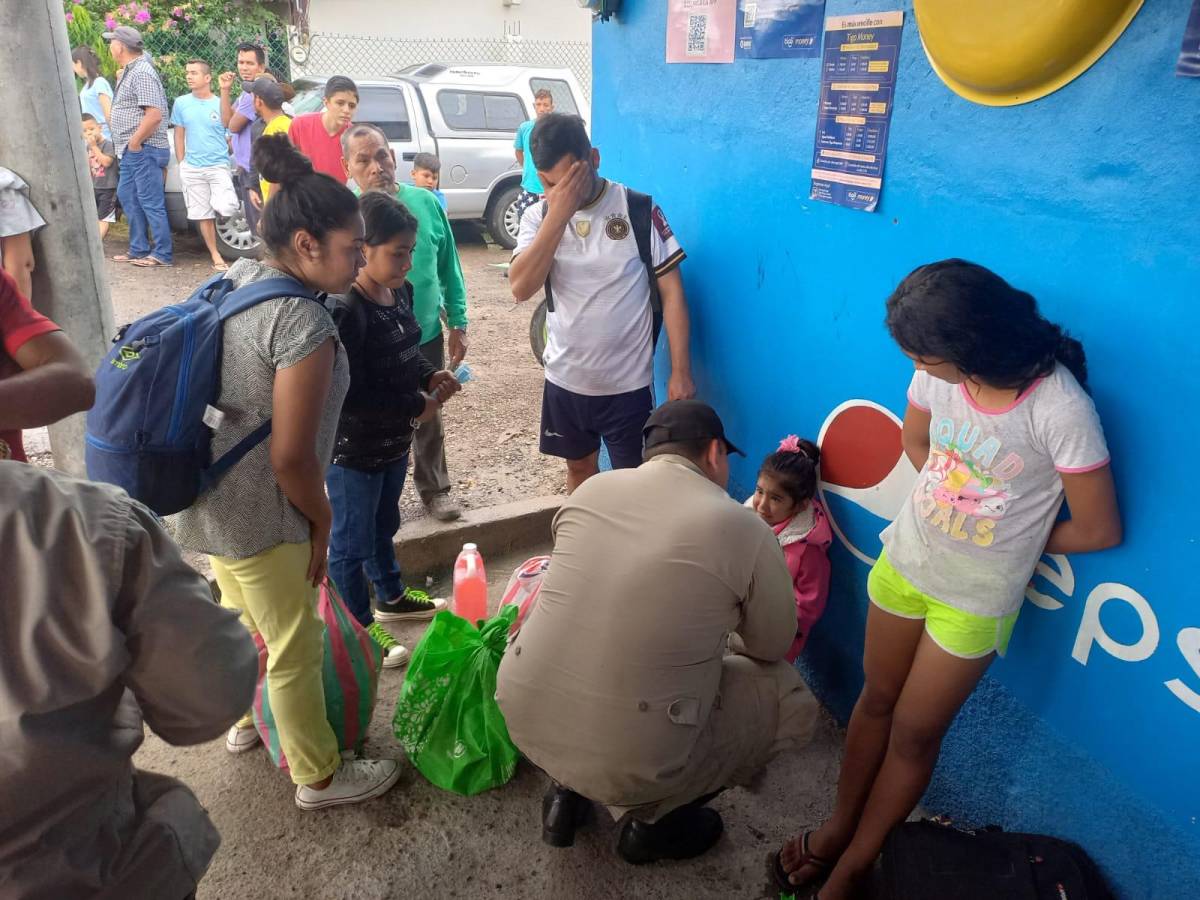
[684, 420]
[266, 88]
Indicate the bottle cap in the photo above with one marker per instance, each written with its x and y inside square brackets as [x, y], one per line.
[470, 547]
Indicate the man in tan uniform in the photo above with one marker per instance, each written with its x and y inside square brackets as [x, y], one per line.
[102, 625]
[618, 685]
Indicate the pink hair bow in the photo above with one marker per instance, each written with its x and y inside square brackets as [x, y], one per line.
[790, 444]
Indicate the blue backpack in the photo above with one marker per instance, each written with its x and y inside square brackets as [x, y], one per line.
[149, 430]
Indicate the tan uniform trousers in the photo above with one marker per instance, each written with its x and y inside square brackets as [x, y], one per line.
[761, 710]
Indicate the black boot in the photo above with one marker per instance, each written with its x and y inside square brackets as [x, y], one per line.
[681, 834]
[563, 811]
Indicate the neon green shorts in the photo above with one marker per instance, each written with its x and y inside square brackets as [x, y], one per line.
[959, 633]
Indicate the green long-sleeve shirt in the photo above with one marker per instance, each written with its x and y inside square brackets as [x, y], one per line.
[436, 275]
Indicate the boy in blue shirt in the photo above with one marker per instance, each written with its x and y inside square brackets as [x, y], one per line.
[427, 173]
[203, 154]
[531, 185]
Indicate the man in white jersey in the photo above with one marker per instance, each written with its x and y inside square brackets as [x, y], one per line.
[603, 253]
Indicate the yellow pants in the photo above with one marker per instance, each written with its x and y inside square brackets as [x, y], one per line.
[275, 600]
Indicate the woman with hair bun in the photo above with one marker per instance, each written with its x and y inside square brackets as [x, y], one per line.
[1001, 428]
[265, 525]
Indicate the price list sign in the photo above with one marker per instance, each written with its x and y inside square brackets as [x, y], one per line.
[858, 82]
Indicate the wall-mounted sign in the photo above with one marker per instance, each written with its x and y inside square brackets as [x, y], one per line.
[858, 82]
[768, 29]
[1189, 53]
[700, 31]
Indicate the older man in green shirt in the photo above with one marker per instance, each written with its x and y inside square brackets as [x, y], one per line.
[437, 283]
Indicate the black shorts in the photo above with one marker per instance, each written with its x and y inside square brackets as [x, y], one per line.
[524, 201]
[106, 203]
[574, 424]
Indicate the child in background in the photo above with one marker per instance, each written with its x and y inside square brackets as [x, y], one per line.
[1002, 429]
[102, 162]
[427, 173]
[785, 499]
[393, 388]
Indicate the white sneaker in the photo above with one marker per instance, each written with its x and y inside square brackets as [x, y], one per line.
[394, 653]
[394, 657]
[356, 781]
[239, 740]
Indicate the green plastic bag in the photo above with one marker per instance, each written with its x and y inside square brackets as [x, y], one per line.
[446, 718]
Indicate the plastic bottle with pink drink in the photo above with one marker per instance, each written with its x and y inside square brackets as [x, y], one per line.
[470, 585]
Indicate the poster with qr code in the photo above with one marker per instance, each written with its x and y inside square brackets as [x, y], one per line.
[701, 31]
[779, 29]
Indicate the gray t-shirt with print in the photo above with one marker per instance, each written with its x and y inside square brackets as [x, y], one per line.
[247, 512]
[978, 518]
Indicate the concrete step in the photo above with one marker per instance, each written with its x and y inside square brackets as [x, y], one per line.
[427, 547]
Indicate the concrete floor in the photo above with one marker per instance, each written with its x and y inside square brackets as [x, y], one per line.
[418, 841]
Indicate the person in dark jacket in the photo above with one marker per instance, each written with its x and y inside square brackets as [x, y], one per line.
[393, 389]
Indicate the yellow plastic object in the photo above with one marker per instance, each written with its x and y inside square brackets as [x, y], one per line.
[1006, 52]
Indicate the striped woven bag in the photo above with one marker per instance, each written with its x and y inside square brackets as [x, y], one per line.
[349, 673]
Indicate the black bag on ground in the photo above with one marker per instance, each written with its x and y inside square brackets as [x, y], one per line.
[929, 861]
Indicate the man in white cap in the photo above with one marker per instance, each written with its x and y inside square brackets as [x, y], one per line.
[139, 130]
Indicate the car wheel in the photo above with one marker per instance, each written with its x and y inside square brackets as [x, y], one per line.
[234, 238]
[503, 221]
[537, 332]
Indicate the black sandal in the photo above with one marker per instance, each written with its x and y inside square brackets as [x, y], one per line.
[780, 875]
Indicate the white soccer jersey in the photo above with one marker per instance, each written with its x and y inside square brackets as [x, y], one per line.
[600, 340]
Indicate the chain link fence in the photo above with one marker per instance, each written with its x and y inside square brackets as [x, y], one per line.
[357, 55]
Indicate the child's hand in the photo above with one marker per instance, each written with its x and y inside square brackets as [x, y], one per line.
[443, 385]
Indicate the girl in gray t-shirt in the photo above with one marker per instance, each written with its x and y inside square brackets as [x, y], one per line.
[1002, 429]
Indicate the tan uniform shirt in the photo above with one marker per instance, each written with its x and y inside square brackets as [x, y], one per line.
[102, 623]
[612, 678]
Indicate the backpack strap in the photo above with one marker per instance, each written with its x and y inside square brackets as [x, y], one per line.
[230, 302]
[233, 455]
[641, 207]
[549, 293]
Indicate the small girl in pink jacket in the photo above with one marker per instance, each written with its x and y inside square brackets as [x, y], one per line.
[784, 498]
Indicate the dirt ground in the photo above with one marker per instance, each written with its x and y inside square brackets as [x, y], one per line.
[491, 427]
[420, 842]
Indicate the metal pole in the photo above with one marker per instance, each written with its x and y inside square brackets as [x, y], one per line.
[46, 149]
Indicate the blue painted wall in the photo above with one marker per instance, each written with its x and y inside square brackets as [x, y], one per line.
[1089, 199]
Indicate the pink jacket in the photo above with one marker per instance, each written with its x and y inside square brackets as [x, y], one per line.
[807, 557]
